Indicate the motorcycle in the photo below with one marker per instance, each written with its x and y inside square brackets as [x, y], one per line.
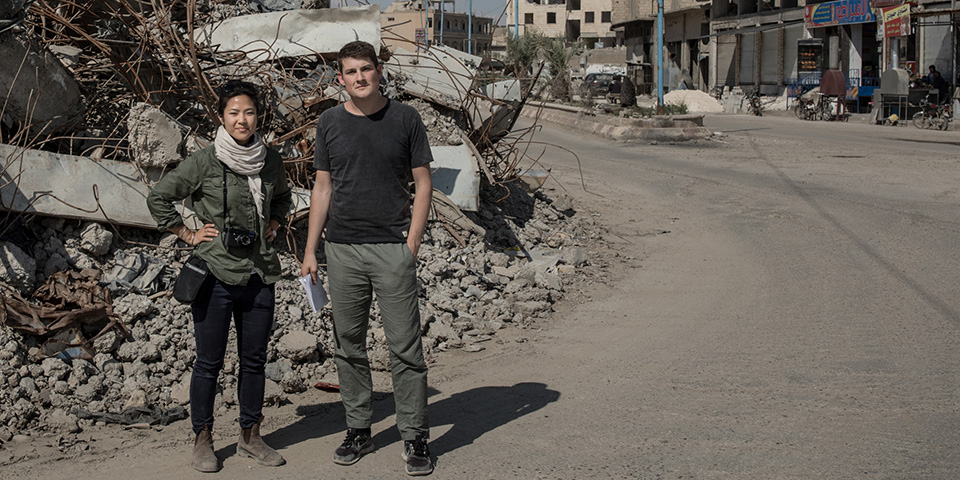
[933, 115]
[754, 105]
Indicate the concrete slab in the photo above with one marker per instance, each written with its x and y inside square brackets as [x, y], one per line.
[31, 178]
[508, 90]
[296, 33]
[456, 174]
[442, 73]
[29, 71]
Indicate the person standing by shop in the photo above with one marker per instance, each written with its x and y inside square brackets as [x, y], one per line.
[240, 192]
[367, 152]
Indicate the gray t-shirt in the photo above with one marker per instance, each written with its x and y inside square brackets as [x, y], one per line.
[370, 160]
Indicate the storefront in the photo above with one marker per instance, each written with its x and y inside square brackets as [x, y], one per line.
[847, 35]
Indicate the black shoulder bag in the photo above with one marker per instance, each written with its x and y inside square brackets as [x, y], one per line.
[191, 279]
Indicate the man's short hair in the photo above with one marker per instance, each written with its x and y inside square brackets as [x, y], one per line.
[357, 49]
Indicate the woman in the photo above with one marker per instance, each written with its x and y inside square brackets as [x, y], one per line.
[239, 190]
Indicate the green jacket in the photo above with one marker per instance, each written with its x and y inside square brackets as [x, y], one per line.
[200, 177]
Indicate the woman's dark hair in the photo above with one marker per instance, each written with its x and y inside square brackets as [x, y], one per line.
[235, 88]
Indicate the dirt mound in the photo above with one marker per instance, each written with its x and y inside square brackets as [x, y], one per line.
[695, 100]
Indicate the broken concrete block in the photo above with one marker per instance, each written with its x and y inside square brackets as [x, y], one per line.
[31, 173]
[563, 202]
[95, 239]
[503, 90]
[155, 137]
[575, 256]
[143, 351]
[442, 74]
[137, 399]
[268, 36]
[41, 75]
[132, 307]
[297, 345]
[68, 54]
[180, 392]
[63, 422]
[550, 281]
[456, 174]
[19, 269]
[9, 10]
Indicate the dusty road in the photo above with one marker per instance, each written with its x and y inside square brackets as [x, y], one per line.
[782, 305]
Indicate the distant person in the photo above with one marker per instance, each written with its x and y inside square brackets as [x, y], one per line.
[240, 192]
[943, 88]
[613, 90]
[930, 76]
[368, 150]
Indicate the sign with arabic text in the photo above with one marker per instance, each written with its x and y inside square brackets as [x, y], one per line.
[840, 12]
[896, 21]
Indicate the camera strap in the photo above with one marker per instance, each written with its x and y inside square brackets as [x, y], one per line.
[226, 226]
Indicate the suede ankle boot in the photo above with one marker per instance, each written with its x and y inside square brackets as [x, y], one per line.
[251, 445]
[204, 460]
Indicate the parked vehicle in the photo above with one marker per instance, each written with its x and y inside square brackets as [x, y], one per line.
[933, 115]
[817, 106]
[595, 84]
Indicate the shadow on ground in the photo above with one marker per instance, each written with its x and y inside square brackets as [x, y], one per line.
[470, 414]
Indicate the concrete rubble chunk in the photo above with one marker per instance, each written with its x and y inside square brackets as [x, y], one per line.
[443, 74]
[122, 196]
[574, 256]
[456, 173]
[273, 35]
[156, 139]
[132, 307]
[19, 269]
[298, 345]
[41, 74]
[504, 90]
[63, 422]
[550, 281]
[95, 240]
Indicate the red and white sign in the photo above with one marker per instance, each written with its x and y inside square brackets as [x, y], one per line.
[896, 21]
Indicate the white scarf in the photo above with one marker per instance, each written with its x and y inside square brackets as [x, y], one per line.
[246, 160]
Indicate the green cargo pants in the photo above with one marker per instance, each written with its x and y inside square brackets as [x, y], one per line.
[355, 272]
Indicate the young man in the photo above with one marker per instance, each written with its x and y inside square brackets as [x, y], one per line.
[367, 151]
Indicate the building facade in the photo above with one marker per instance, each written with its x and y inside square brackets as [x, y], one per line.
[587, 21]
[776, 46]
[408, 25]
[686, 26]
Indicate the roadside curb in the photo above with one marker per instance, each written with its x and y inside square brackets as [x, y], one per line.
[671, 128]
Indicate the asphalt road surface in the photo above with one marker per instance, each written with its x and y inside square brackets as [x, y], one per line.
[782, 304]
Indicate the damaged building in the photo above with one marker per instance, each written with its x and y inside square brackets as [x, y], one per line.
[107, 97]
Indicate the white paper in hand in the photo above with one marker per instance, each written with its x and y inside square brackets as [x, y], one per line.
[315, 293]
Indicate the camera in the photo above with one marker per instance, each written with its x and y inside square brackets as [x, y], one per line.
[237, 238]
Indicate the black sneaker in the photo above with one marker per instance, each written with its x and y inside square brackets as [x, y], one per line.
[417, 456]
[357, 444]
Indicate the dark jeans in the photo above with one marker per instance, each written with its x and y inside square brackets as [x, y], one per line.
[251, 308]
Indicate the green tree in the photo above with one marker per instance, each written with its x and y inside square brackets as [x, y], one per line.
[558, 56]
[522, 51]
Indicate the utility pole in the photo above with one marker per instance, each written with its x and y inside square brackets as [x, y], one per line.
[442, 2]
[953, 34]
[660, 57]
[470, 27]
[516, 18]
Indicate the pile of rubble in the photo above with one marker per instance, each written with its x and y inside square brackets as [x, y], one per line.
[522, 255]
[88, 330]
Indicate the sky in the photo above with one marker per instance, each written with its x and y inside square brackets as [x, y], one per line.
[482, 8]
